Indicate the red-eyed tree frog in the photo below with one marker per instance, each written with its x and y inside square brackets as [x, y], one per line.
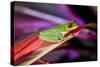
[56, 33]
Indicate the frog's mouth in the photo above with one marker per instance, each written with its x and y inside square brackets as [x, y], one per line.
[74, 32]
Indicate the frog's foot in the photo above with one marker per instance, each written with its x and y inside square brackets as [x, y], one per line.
[61, 39]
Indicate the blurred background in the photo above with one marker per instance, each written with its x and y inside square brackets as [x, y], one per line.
[30, 18]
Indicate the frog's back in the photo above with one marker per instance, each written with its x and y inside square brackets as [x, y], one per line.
[52, 34]
[60, 28]
[51, 37]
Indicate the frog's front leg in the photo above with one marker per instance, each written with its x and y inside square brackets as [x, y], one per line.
[60, 36]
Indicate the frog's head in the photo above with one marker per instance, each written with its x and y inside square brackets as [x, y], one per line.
[72, 25]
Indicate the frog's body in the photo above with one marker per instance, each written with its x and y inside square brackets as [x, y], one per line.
[56, 33]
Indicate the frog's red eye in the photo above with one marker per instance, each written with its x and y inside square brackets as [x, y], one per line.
[69, 25]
